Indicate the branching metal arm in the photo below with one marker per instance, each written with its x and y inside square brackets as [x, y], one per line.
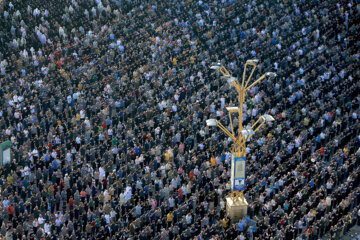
[256, 126]
[224, 71]
[237, 86]
[252, 72]
[240, 141]
[231, 124]
[227, 132]
[243, 77]
[256, 82]
[227, 75]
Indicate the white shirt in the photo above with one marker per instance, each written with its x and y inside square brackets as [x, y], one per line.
[107, 218]
[41, 220]
[35, 153]
[328, 201]
[188, 219]
[110, 132]
[47, 228]
[68, 157]
[102, 173]
[82, 114]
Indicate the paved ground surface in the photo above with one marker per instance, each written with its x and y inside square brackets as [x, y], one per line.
[353, 234]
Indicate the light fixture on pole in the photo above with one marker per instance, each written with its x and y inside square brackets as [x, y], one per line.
[236, 203]
[215, 66]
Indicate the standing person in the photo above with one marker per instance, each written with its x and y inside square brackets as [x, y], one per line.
[11, 212]
[35, 225]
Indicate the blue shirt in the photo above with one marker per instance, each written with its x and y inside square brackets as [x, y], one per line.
[136, 149]
[263, 182]
[56, 164]
[286, 206]
[241, 226]
[47, 158]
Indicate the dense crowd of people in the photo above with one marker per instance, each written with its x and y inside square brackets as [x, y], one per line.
[105, 103]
